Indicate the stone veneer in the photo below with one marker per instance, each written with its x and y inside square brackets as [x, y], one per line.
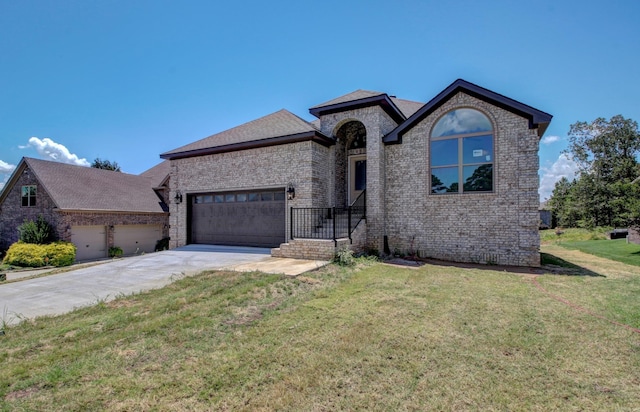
[499, 227]
[12, 215]
[377, 124]
[305, 165]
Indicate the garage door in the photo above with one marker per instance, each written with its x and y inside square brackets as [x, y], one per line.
[136, 239]
[90, 241]
[239, 218]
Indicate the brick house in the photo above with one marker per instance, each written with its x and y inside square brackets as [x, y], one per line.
[455, 178]
[93, 208]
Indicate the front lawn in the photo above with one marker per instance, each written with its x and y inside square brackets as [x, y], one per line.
[572, 235]
[377, 338]
[618, 249]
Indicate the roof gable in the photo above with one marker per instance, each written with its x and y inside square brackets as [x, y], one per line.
[349, 97]
[74, 187]
[276, 128]
[537, 118]
[364, 98]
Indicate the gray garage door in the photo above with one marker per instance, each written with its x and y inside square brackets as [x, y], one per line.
[247, 218]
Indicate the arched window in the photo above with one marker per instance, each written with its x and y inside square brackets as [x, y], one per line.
[461, 153]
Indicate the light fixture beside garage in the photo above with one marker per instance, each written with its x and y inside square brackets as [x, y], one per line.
[178, 197]
[291, 192]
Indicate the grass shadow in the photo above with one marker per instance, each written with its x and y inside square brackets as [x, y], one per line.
[549, 264]
[563, 267]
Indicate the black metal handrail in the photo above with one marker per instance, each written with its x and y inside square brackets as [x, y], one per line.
[327, 222]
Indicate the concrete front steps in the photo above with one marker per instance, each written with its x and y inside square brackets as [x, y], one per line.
[322, 249]
[316, 249]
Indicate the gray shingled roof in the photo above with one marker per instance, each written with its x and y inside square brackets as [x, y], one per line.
[74, 187]
[158, 173]
[278, 124]
[349, 97]
[407, 107]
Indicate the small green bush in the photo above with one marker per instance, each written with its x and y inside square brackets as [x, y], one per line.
[39, 232]
[35, 256]
[162, 244]
[115, 251]
[344, 257]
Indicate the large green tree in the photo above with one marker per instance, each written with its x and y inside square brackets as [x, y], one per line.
[606, 152]
[563, 204]
[607, 149]
[105, 164]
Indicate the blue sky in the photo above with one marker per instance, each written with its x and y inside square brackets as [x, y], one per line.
[128, 80]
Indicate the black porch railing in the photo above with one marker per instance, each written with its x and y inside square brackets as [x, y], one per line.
[327, 222]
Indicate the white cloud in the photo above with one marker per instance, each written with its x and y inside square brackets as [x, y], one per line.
[6, 168]
[5, 171]
[51, 150]
[550, 139]
[563, 167]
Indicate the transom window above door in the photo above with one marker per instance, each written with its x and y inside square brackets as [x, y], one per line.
[461, 153]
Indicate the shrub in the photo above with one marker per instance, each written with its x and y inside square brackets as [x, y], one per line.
[162, 244]
[344, 257]
[24, 254]
[60, 253]
[34, 256]
[115, 251]
[38, 232]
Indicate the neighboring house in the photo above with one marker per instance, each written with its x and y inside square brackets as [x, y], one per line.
[453, 179]
[93, 208]
[545, 219]
[159, 175]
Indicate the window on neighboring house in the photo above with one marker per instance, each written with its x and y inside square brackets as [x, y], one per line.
[461, 153]
[29, 196]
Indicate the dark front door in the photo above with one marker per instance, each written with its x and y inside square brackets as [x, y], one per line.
[240, 218]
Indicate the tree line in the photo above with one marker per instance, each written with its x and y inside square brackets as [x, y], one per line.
[606, 190]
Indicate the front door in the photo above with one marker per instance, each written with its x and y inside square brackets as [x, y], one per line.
[357, 176]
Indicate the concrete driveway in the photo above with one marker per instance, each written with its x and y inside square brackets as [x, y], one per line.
[64, 292]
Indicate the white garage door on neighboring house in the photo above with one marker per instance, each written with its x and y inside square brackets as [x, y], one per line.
[90, 241]
[136, 239]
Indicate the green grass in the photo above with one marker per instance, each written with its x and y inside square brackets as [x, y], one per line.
[573, 235]
[372, 338]
[549, 259]
[618, 249]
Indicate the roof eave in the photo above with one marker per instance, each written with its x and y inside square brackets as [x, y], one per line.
[272, 141]
[382, 100]
[537, 119]
[12, 180]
